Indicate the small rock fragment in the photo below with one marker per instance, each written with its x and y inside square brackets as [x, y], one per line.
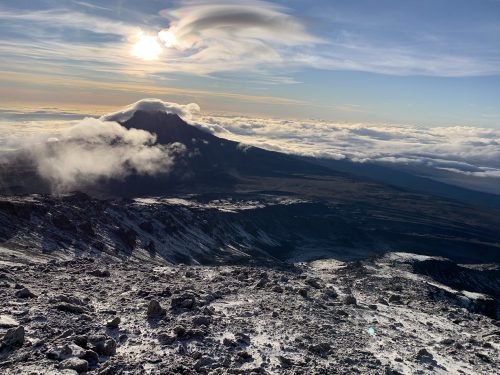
[424, 354]
[113, 323]
[349, 300]
[313, 282]
[395, 298]
[100, 273]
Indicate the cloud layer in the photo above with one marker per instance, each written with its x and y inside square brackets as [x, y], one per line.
[95, 150]
[465, 150]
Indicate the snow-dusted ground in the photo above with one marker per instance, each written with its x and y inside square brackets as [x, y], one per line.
[281, 319]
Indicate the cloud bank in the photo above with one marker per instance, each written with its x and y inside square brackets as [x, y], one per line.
[465, 150]
[186, 111]
[94, 150]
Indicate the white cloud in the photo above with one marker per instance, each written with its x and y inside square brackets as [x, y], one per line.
[186, 111]
[93, 150]
[225, 36]
[71, 19]
[250, 37]
[466, 150]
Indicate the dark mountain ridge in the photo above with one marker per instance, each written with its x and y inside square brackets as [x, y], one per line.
[209, 161]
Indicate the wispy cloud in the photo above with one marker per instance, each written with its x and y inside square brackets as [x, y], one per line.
[253, 37]
[71, 19]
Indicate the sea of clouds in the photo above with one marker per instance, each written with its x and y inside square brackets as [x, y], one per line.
[467, 150]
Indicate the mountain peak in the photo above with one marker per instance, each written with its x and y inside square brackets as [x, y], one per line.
[153, 106]
[168, 127]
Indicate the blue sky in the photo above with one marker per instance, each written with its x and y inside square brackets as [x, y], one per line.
[428, 62]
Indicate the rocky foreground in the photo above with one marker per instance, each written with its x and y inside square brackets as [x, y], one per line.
[324, 317]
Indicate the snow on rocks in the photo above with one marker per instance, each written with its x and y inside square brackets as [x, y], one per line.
[219, 322]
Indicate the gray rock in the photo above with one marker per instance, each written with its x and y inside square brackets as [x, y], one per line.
[8, 322]
[331, 293]
[349, 300]
[166, 338]
[242, 338]
[100, 273]
[203, 362]
[424, 354]
[113, 323]
[395, 298]
[68, 307]
[244, 356]
[25, 293]
[155, 310]
[313, 282]
[262, 282]
[382, 301]
[91, 357]
[320, 349]
[447, 341]
[14, 338]
[103, 345]
[285, 362]
[77, 364]
[277, 289]
[66, 351]
[202, 320]
[185, 300]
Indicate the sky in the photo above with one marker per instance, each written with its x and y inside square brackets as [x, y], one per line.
[430, 63]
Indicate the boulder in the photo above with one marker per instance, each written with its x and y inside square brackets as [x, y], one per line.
[155, 310]
[185, 300]
[77, 364]
[14, 338]
[103, 345]
[24, 293]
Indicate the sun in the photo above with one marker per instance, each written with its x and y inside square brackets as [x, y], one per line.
[147, 48]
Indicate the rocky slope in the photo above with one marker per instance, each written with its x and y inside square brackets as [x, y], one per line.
[375, 316]
[237, 228]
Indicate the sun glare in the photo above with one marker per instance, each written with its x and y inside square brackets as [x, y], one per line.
[147, 48]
